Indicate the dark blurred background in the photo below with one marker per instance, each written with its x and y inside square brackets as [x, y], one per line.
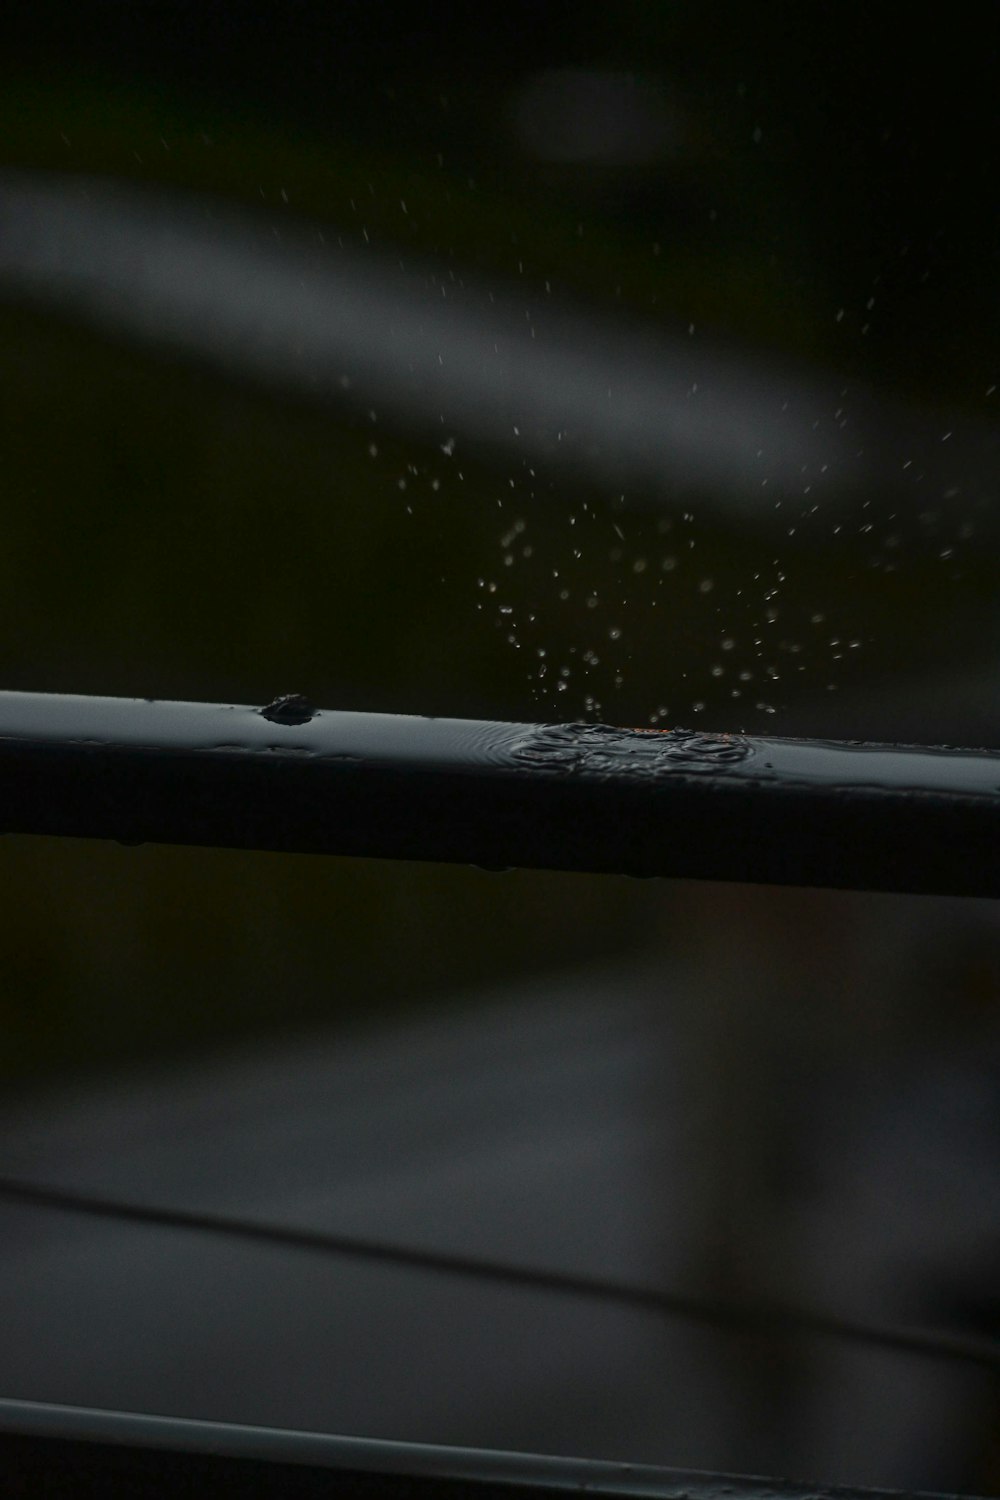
[532, 362]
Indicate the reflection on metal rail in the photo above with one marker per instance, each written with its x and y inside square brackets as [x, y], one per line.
[499, 795]
[71, 1450]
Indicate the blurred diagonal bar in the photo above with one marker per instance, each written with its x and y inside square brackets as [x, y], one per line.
[435, 352]
[60, 1448]
[585, 797]
[756, 1317]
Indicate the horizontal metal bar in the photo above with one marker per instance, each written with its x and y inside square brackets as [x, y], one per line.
[566, 796]
[161, 1455]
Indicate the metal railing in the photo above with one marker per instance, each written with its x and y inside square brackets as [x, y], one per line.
[566, 796]
[573, 797]
[71, 1450]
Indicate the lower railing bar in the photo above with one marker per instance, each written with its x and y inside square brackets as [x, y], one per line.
[760, 1317]
[567, 796]
[76, 1450]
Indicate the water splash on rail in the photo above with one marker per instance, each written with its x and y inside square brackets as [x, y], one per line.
[605, 750]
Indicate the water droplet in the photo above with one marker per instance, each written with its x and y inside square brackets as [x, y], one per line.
[290, 708]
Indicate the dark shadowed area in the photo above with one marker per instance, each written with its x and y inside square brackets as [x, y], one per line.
[534, 363]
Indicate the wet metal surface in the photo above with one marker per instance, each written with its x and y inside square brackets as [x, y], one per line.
[595, 750]
[602, 750]
[565, 796]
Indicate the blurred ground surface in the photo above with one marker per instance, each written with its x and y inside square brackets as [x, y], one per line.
[740, 1090]
[561, 1125]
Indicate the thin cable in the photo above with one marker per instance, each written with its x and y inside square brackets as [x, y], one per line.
[757, 1317]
